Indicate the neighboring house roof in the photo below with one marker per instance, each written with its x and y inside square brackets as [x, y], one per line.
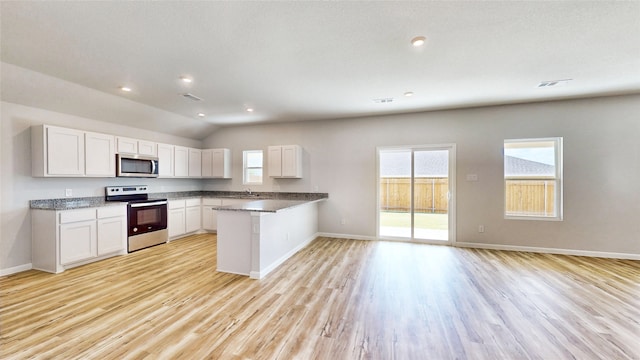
[435, 164]
[428, 164]
[514, 166]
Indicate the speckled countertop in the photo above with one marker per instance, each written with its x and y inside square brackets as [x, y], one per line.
[268, 205]
[98, 201]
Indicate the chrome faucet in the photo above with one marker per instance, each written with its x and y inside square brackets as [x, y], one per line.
[248, 191]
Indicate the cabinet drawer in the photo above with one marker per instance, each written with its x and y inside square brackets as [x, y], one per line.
[77, 215]
[175, 204]
[212, 202]
[192, 202]
[111, 211]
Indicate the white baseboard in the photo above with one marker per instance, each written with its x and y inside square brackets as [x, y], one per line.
[262, 273]
[15, 269]
[610, 255]
[347, 236]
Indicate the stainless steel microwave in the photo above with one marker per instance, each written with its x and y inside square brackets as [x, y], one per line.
[134, 165]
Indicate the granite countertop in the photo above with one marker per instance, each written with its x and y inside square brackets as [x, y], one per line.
[72, 203]
[268, 205]
[99, 201]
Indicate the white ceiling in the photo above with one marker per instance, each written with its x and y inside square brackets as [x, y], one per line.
[295, 61]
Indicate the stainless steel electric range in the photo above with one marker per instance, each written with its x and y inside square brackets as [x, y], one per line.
[147, 219]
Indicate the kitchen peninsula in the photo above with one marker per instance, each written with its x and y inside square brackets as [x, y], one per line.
[255, 237]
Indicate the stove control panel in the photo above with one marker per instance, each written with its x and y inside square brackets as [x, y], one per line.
[126, 190]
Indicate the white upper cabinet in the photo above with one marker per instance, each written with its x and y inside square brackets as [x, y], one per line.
[195, 162]
[147, 148]
[134, 146]
[100, 159]
[127, 145]
[165, 160]
[65, 151]
[181, 161]
[216, 163]
[285, 161]
[57, 151]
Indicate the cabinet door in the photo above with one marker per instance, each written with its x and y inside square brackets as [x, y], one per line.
[194, 219]
[176, 222]
[209, 218]
[221, 163]
[77, 241]
[207, 163]
[147, 148]
[291, 161]
[165, 160]
[275, 161]
[100, 157]
[65, 152]
[195, 163]
[181, 161]
[112, 235]
[127, 145]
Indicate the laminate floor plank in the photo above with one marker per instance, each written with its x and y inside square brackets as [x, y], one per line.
[335, 299]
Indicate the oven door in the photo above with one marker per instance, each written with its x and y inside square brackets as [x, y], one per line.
[147, 216]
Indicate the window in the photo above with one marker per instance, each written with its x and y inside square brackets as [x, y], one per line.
[533, 178]
[252, 167]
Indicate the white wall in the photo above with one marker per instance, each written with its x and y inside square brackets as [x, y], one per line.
[17, 186]
[601, 152]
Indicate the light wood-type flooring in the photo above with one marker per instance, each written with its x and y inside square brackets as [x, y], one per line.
[335, 299]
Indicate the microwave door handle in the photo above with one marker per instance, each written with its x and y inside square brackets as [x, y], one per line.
[153, 167]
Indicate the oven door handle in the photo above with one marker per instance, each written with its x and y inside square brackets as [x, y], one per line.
[137, 205]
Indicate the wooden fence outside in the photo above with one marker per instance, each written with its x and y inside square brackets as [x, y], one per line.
[431, 194]
[523, 197]
[530, 197]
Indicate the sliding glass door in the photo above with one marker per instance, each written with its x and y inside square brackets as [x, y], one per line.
[415, 193]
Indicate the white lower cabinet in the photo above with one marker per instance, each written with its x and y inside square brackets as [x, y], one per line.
[78, 241]
[111, 231]
[210, 216]
[176, 218]
[184, 217]
[193, 215]
[66, 238]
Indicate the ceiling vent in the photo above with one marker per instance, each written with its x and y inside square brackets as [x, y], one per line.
[553, 83]
[383, 100]
[191, 97]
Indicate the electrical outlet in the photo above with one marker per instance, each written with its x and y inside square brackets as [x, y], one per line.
[481, 228]
[343, 221]
[316, 188]
[68, 192]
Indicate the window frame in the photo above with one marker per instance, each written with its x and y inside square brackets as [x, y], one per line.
[557, 178]
[246, 168]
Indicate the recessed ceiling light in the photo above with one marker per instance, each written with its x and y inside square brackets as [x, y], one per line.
[250, 109]
[418, 41]
[125, 88]
[201, 114]
[408, 94]
[186, 79]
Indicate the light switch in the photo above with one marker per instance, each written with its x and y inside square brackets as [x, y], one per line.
[472, 177]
